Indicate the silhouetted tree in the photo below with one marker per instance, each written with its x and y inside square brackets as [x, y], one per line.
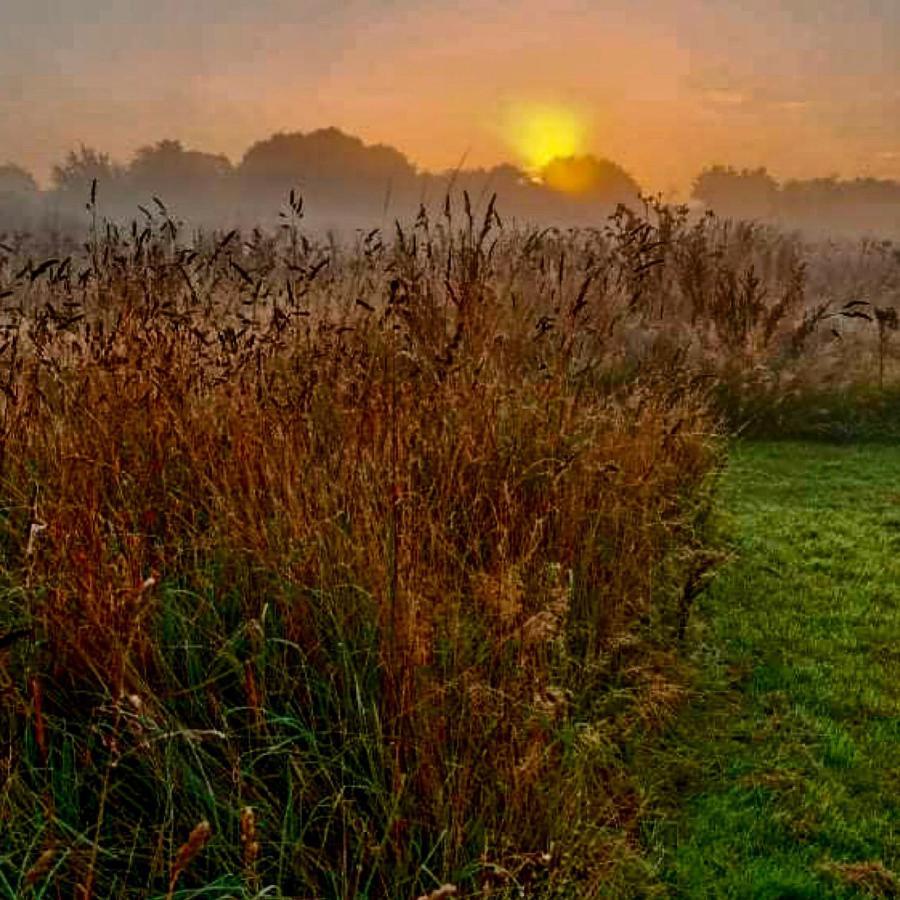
[590, 179]
[329, 167]
[574, 191]
[75, 175]
[511, 185]
[16, 181]
[196, 183]
[829, 204]
[19, 197]
[168, 164]
[745, 194]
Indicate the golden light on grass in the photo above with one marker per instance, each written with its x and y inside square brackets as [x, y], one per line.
[540, 133]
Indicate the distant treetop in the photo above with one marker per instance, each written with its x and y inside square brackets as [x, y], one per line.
[324, 154]
[16, 180]
[590, 178]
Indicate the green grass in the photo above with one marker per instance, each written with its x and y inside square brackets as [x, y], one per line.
[785, 769]
[847, 414]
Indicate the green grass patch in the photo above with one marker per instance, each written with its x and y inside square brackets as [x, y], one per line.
[782, 778]
[854, 413]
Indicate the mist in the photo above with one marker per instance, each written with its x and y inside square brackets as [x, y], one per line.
[342, 185]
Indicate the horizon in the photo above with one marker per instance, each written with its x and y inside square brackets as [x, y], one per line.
[664, 89]
[45, 180]
[347, 184]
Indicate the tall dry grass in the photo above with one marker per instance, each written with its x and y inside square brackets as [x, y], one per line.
[370, 541]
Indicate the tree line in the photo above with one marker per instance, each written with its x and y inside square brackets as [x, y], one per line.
[345, 182]
[342, 181]
[815, 205]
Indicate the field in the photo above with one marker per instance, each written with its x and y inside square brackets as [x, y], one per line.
[396, 568]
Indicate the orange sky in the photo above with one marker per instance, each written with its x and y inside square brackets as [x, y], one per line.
[662, 87]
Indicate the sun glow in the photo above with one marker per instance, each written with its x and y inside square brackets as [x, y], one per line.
[540, 134]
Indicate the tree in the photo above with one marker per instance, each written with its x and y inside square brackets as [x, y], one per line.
[79, 170]
[16, 181]
[590, 178]
[19, 197]
[748, 194]
[324, 154]
[168, 167]
[829, 204]
[343, 180]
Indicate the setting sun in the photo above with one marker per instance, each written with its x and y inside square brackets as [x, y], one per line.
[540, 133]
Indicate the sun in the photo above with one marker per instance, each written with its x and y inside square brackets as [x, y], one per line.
[540, 133]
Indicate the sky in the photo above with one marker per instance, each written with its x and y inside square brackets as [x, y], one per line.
[805, 87]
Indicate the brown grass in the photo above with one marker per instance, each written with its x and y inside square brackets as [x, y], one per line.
[484, 454]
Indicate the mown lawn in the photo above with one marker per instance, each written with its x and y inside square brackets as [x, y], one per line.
[782, 777]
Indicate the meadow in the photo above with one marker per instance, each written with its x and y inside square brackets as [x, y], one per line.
[393, 567]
